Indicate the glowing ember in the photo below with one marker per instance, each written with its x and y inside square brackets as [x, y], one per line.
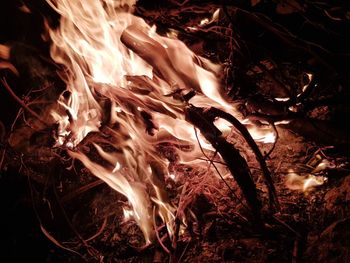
[111, 54]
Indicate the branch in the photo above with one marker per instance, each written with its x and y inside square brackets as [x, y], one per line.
[235, 162]
[214, 112]
[24, 106]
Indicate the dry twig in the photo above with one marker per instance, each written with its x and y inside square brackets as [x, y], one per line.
[11, 92]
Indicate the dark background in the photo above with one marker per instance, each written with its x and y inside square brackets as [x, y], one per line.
[20, 235]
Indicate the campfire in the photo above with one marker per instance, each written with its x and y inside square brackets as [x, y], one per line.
[176, 131]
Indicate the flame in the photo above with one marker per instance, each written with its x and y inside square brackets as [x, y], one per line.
[4, 59]
[128, 214]
[5, 52]
[206, 21]
[110, 54]
[265, 135]
[303, 183]
[310, 77]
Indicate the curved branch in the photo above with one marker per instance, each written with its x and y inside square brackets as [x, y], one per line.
[214, 112]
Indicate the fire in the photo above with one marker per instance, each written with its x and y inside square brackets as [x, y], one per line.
[265, 135]
[309, 181]
[4, 59]
[303, 183]
[206, 21]
[110, 54]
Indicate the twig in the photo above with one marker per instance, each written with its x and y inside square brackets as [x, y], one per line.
[42, 228]
[295, 251]
[235, 162]
[260, 158]
[81, 190]
[157, 234]
[20, 111]
[99, 232]
[177, 220]
[183, 252]
[178, 3]
[267, 155]
[57, 243]
[216, 169]
[321, 54]
[297, 234]
[94, 252]
[10, 91]
[2, 158]
[212, 161]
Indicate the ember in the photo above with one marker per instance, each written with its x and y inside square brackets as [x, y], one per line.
[171, 128]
